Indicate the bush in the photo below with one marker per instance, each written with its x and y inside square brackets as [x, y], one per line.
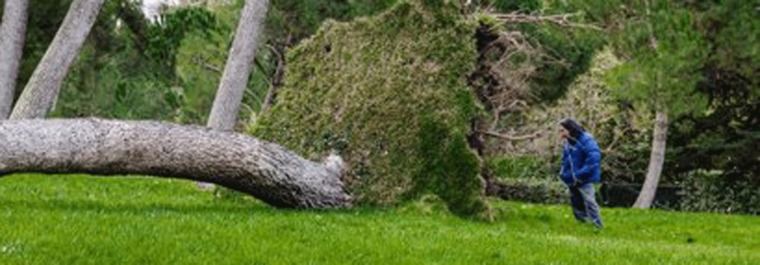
[525, 166]
[550, 191]
[711, 192]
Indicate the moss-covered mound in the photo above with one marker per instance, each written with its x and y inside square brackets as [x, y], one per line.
[389, 93]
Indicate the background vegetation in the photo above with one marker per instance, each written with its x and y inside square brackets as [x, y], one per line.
[168, 69]
[430, 102]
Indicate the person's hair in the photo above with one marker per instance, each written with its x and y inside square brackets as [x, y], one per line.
[573, 127]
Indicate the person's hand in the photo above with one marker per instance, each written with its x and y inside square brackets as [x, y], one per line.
[576, 183]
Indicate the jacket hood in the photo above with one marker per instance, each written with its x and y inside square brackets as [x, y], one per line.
[572, 126]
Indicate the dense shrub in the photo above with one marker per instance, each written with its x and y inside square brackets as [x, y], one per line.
[532, 190]
[705, 191]
[517, 166]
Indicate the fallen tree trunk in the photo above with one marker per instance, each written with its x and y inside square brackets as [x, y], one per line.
[103, 147]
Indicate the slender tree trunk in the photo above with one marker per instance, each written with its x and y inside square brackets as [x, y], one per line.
[224, 112]
[12, 35]
[229, 95]
[265, 170]
[40, 93]
[656, 160]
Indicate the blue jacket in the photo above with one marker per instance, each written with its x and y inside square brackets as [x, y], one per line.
[581, 161]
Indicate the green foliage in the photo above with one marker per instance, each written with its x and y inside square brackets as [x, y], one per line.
[511, 5]
[610, 14]
[568, 50]
[165, 74]
[571, 52]
[622, 132]
[665, 54]
[201, 58]
[710, 191]
[449, 168]
[112, 79]
[706, 67]
[79, 219]
[726, 138]
[519, 166]
[428, 205]
[362, 88]
[534, 190]
[733, 28]
[165, 37]
[168, 69]
[565, 52]
[725, 141]
[289, 21]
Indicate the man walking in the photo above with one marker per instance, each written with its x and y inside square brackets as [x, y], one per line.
[580, 170]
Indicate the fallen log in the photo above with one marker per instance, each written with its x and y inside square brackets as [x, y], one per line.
[264, 170]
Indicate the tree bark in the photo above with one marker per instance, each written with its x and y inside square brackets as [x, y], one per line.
[103, 147]
[656, 160]
[224, 112]
[40, 93]
[12, 36]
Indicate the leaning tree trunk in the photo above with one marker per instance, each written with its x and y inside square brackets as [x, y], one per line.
[656, 160]
[229, 95]
[40, 93]
[224, 112]
[264, 170]
[12, 35]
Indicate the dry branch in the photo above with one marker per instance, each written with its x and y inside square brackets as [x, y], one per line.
[562, 20]
[511, 137]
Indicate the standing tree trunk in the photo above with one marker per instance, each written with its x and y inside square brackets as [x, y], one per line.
[229, 95]
[262, 169]
[656, 160]
[40, 93]
[224, 112]
[12, 35]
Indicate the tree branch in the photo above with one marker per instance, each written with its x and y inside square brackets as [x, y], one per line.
[562, 20]
[203, 63]
[510, 137]
[276, 80]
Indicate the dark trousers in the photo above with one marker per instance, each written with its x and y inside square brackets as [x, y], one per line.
[584, 204]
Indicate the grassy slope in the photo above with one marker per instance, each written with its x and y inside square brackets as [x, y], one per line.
[87, 220]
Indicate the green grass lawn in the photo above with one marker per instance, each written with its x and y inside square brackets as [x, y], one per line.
[88, 220]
